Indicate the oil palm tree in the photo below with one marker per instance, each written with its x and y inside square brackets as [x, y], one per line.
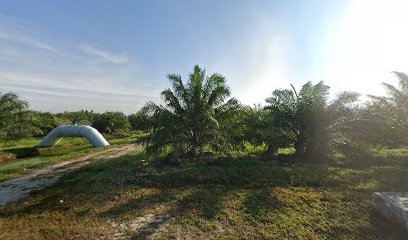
[387, 117]
[298, 118]
[15, 119]
[192, 114]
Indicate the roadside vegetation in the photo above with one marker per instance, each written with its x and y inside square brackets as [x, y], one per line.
[299, 166]
[21, 129]
[20, 157]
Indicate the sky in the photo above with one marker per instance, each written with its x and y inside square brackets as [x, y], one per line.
[115, 55]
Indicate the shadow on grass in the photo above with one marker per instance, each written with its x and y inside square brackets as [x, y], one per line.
[259, 202]
[23, 152]
[27, 152]
[197, 188]
[137, 204]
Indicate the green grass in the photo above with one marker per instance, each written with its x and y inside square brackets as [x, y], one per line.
[25, 142]
[25, 156]
[217, 199]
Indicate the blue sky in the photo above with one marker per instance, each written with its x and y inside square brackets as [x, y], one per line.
[115, 55]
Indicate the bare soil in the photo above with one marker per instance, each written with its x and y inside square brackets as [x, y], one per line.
[18, 188]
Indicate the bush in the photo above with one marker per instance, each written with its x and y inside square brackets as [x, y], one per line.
[140, 121]
[111, 122]
[15, 119]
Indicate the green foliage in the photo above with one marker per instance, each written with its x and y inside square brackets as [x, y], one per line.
[200, 114]
[108, 122]
[192, 114]
[15, 119]
[386, 117]
[247, 125]
[283, 120]
[85, 117]
[44, 122]
[299, 119]
[315, 128]
[347, 131]
[140, 121]
[111, 122]
[312, 110]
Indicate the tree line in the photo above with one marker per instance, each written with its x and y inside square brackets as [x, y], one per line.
[200, 114]
[18, 121]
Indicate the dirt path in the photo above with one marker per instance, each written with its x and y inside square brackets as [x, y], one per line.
[18, 188]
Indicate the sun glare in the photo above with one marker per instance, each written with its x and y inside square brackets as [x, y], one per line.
[367, 45]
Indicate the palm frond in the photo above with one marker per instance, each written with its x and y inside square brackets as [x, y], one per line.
[178, 88]
[171, 100]
[403, 81]
[392, 90]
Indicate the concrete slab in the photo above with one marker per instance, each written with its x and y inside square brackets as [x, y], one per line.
[393, 205]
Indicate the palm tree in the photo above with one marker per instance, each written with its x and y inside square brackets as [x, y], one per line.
[14, 116]
[399, 96]
[192, 114]
[388, 116]
[298, 118]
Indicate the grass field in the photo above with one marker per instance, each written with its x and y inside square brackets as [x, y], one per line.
[19, 157]
[132, 197]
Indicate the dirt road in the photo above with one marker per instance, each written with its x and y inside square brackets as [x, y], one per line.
[16, 189]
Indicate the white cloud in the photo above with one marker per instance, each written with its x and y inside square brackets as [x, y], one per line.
[27, 40]
[56, 76]
[21, 32]
[116, 58]
[61, 86]
[44, 46]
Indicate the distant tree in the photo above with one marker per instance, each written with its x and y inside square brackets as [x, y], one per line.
[387, 117]
[192, 115]
[283, 123]
[255, 123]
[14, 117]
[347, 133]
[249, 125]
[111, 122]
[85, 117]
[44, 122]
[140, 121]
